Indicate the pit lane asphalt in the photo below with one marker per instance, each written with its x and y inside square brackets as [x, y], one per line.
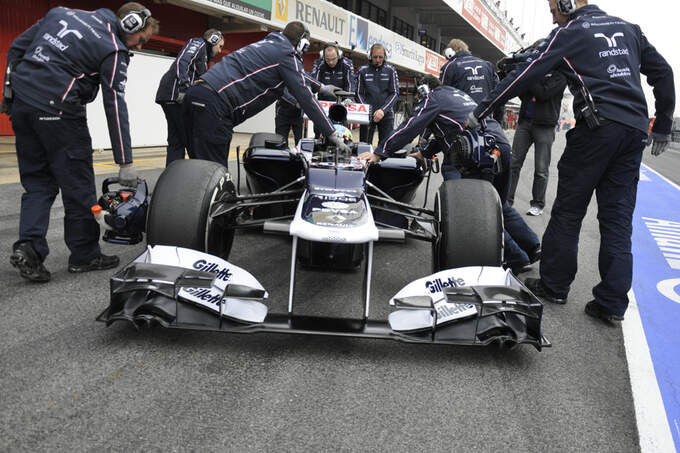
[69, 383]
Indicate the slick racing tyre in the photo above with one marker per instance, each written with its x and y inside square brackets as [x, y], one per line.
[180, 206]
[470, 225]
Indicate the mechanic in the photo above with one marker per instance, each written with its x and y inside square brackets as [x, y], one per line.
[443, 111]
[54, 68]
[333, 69]
[245, 82]
[190, 64]
[378, 85]
[466, 72]
[538, 116]
[602, 57]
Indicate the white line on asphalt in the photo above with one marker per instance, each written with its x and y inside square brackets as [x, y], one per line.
[653, 428]
[661, 176]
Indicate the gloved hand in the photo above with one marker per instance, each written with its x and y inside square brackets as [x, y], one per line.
[328, 91]
[180, 98]
[338, 141]
[6, 106]
[127, 176]
[659, 143]
[472, 121]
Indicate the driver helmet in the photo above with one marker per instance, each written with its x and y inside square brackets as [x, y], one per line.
[344, 131]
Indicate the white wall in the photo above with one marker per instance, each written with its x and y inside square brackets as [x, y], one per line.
[147, 121]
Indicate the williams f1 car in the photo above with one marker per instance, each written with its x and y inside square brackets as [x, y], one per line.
[334, 209]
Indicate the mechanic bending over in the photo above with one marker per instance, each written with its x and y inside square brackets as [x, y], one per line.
[468, 73]
[56, 67]
[538, 116]
[443, 111]
[378, 85]
[602, 57]
[190, 64]
[245, 82]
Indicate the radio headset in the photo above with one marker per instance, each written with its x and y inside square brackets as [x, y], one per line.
[135, 21]
[566, 7]
[214, 38]
[331, 44]
[303, 44]
[449, 53]
[370, 52]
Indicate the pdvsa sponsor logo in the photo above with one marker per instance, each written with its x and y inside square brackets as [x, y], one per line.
[437, 285]
[206, 266]
[351, 108]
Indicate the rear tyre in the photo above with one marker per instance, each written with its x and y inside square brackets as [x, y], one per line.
[180, 206]
[470, 225]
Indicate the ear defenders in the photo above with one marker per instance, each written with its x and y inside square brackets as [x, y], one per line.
[135, 21]
[370, 51]
[449, 53]
[334, 45]
[214, 38]
[566, 7]
[303, 44]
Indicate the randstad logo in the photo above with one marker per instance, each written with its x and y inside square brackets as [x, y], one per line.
[474, 69]
[282, 10]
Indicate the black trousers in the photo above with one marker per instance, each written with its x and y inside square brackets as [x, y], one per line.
[208, 123]
[55, 154]
[176, 132]
[385, 127]
[606, 161]
[287, 118]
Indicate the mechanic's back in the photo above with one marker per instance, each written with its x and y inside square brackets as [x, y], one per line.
[468, 73]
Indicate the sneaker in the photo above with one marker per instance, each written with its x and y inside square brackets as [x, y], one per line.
[534, 254]
[535, 210]
[100, 263]
[598, 311]
[26, 259]
[535, 285]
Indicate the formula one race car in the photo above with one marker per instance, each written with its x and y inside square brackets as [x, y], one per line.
[334, 209]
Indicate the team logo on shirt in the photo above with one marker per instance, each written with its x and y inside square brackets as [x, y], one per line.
[611, 41]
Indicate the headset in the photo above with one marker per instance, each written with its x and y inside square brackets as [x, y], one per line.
[331, 44]
[370, 51]
[566, 7]
[449, 53]
[303, 44]
[135, 21]
[213, 38]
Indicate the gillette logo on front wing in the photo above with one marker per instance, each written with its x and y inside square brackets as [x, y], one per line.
[205, 266]
[437, 285]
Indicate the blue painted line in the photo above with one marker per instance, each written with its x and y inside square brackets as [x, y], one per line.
[656, 284]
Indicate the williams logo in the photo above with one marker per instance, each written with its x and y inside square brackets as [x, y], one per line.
[611, 41]
[282, 10]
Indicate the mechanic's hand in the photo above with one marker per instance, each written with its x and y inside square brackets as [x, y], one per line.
[328, 91]
[378, 115]
[472, 121]
[369, 157]
[420, 158]
[338, 141]
[6, 106]
[180, 98]
[659, 143]
[127, 176]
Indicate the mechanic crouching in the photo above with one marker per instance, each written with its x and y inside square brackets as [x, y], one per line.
[190, 64]
[54, 68]
[245, 82]
[443, 111]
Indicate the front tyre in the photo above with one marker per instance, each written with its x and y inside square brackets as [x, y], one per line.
[180, 207]
[470, 225]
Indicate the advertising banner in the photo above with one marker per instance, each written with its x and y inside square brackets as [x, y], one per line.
[325, 20]
[484, 22]
[400, 51]
[433, 62]
[261, 9]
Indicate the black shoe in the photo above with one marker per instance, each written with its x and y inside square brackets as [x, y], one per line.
[26, 259]
[598, 311]
[534, 254]
[100, 263]
[535, 285]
